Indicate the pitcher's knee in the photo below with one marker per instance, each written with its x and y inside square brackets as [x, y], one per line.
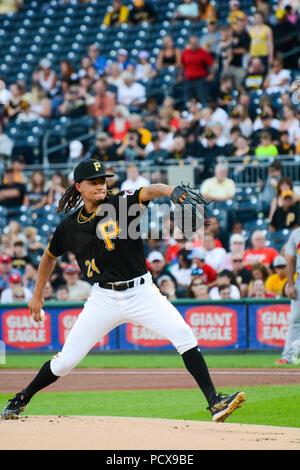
[61, 365]
[186, 339]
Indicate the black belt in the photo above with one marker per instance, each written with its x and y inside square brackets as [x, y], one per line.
[120, 285]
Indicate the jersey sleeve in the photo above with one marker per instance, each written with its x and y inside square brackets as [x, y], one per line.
[58, 244]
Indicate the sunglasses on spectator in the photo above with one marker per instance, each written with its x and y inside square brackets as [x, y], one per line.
[237, 260]
[197, 284]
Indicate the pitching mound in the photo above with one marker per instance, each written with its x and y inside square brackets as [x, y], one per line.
[113, 433]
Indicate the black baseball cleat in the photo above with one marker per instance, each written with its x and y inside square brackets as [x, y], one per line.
[15, 406]
[225, 405]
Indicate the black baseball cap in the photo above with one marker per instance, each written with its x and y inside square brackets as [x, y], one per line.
[90, 169]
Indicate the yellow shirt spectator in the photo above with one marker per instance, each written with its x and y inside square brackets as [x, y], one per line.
[117, 15]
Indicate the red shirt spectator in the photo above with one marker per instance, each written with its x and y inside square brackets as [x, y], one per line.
[196, 63]
[260, 253]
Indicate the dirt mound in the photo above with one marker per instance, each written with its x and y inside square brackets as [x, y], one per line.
[113, 433]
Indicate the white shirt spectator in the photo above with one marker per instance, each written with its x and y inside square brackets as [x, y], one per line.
[276, 79]
[215, 257]
[234, 293]
[130, 93]
[188, 9]
[133, 185]
[7, 295]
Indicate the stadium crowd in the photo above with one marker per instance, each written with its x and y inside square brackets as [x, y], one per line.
[235, 97]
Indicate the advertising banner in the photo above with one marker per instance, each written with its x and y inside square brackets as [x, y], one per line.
[215, 327]
[268, 325]
[19, 331]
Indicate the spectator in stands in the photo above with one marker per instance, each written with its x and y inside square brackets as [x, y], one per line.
[131, 149]
[39, 104]
[236, 245]
[269, 185]
[6, 147]
[180, 151]
[285, 147]
[276, 281]
[225, 94]
[235, 13]
[239, 117]
[181, 269]
[215, 228]
[103, 105]
[169, 55]
[144, 68]
[208, 273]
[78, 289]
[288, 214]
[11, 6]
[285, 36]
[267, 127]
[16, 103]
[85, 63]
[30, 275]
[62, 293]
[224, 292]
[76, 151]
[210, 152]
[15, 230]
[113, 76]
[5, 94]
[259, 290]
[214, 254]
[105, 149]
[225, 278]
[241, 147]
[18, 294]
[258, 271]
[19, 258]
[117, 14]
[66, 70]
[131, 93]
[35, 247]
[57, 188]
[47, 77]
[220, 187]
[157, 266]
[14, 280]
[97, 59]
[187, 10]
[242, 275]
[262, 41]
[198, 290]
[198, 71]
[167, 287]
[142, 12]
[239, 49]
[158, 155]
[255, 75]
[278, 80]
[206, 10]
[134, 180]
[120, 124]
[266, 149]
[259, 253]
[36, 195]
[6, 270]
[48, 293]
[290, 123]
[11, 193]
[210, 40]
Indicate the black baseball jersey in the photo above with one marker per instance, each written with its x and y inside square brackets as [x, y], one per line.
[107, 243]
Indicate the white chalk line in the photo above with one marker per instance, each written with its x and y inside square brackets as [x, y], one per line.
[153, 372]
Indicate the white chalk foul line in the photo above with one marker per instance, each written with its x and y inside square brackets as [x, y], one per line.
[153, 372]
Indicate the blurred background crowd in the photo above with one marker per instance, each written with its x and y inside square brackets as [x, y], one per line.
[209, 87]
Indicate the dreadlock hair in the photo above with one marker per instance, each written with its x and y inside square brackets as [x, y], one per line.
[70, 200]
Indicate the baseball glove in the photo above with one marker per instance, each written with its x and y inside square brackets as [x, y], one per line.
[189, 214]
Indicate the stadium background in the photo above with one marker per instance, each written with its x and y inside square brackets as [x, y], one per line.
[190, 136]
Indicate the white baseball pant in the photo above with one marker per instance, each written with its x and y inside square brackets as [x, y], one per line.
[293, 333]
[106, 309]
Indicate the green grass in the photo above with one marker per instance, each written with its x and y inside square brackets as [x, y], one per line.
[274, 406]
[142, 361]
